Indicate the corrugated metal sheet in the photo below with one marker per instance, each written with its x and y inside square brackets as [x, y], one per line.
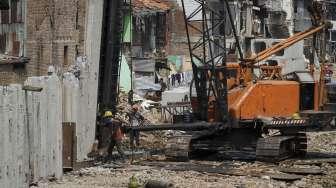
[144, 65]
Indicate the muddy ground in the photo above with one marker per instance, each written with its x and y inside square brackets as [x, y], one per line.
[319, 170]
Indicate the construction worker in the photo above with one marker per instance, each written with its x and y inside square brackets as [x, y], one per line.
[115, 128]
[136, 119]
[163, 85]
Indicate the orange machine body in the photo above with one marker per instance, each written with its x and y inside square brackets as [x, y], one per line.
[265, 98]
[269, 98]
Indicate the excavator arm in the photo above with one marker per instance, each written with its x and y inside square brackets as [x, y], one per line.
[261, 56]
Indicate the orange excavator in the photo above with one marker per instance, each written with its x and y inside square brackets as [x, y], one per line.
[243, 117]
[245, 95]
[249, 109]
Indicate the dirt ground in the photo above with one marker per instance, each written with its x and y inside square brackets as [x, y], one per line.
[241, 174]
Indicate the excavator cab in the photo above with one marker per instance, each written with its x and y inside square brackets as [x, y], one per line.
[308, 89]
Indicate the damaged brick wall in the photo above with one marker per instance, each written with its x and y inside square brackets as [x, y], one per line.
[177, 37]
[12, 74]
[11, 29]
[55, 34]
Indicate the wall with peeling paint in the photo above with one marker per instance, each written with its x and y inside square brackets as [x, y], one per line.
[31, 141]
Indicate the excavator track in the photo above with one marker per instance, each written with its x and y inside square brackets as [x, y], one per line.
[301, 144]
[213, 146]
[178, 148]
[277, 148]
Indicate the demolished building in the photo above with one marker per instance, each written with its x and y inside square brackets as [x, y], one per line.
[263, 23]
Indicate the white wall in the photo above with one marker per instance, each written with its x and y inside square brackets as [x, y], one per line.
[31, 141]
[80, 107]
[88, 84]
[45, 127]
[13, 145]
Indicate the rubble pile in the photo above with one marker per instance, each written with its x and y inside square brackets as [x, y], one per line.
[294, 173]
[323, 142]
[147, 110]
[148, 140]
[101, 177]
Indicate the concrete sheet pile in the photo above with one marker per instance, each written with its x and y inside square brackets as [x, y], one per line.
[31, 132]
[45, 127]
[13, 136]
[79, 106]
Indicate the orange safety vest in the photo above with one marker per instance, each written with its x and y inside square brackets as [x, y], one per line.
[117, 133]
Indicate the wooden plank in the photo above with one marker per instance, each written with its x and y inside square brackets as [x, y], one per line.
[68, 129]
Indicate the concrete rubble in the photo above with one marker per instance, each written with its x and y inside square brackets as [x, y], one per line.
[246, 174]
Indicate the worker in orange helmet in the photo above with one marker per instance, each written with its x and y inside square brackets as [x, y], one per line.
[115, 128]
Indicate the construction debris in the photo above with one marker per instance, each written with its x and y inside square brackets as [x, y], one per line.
[209, 174]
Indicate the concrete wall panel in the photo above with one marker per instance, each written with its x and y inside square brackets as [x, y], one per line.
[14, 162]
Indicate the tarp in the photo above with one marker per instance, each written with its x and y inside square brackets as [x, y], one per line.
[175, 60]
[125, 75]
[146, 83]
[127, 34]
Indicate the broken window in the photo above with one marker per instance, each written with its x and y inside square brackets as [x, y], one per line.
[2, 43]
[4, 5]
[259, 47]
[331, 15]
[15, 51]
[4, 16]
[161, 30]
[65, 56]
[333, 35]
[295, 8]
[14, 11]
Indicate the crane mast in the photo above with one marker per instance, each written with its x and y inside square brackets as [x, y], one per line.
[208, 54]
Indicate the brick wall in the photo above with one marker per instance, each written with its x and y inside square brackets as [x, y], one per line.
[10, 73]
[55, 34]
[177, 38]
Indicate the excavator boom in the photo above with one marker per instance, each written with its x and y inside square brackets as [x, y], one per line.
[261, 56]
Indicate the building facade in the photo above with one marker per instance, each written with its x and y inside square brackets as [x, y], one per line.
[49, 33]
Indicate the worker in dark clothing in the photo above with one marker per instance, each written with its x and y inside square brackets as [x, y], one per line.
[136, 119]
[163, 85]
[130, 97]
[173, 79]
[115, 128]
[178, 78]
